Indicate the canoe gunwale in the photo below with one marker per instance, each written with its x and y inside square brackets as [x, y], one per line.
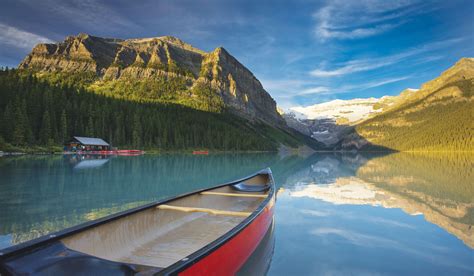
[195, 257]
[27, 246]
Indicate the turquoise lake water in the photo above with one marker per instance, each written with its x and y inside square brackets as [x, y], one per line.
[336, 214]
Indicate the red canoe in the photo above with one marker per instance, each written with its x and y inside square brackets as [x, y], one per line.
[207, 232]
[203, 152]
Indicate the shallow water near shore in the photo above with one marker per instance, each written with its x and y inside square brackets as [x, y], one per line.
[337, 214]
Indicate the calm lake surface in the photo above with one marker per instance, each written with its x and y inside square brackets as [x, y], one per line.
[338, 214]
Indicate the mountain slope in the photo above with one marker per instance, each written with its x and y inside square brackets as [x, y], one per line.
[440, 116]
[155, 93]
[161, 69]
[35, 113]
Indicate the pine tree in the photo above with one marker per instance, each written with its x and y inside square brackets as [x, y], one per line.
[137, 132]
[8, 122]
[90, 127]
[26, 121]
[63, 130]
[45, 132]
[21, 124]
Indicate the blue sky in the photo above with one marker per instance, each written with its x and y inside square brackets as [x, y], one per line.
[303, 52]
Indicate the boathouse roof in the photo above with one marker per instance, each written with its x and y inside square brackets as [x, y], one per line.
[91, 141]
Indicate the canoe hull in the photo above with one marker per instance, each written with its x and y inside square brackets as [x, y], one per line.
[232, 255]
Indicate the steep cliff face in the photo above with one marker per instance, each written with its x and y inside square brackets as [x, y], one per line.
[112, 60]
[82, 53]
[239, 88]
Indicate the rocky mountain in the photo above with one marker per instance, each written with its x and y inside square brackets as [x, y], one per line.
[324, 130]
[163, 69]
[328, 122]
[415, 119]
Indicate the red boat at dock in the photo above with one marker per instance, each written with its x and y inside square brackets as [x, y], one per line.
[95, 146]
[112, 152]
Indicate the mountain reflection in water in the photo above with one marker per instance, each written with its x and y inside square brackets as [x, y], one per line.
[338, 214]
[366, 214]
[438, 186]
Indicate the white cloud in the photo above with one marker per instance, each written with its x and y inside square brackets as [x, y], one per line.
[286, 91]
[389, 222]
[439, 255]
[323, 90]
[314, 90]
[372, 84]
[356, 238]
[15, 37]
[90, 13]
[355, 33]
[316, 213]
[284, 88]
[352, 67]
[350, 19]
[360, 65]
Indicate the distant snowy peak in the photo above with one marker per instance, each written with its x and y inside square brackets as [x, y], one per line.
[291, 112]
[329, 122]
[343, 111]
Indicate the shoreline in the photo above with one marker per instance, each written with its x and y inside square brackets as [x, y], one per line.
[190, 151]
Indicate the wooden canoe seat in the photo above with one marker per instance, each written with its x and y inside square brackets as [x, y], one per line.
[204, 210]
[233, 194]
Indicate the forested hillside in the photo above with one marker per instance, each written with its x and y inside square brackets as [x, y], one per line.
[436, 128]
[438, 117]
[42, 111]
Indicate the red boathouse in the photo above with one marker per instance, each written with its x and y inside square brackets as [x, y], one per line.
[78, 143]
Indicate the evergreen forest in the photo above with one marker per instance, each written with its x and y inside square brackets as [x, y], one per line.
[39, 111]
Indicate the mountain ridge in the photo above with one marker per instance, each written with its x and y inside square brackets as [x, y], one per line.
[439, 116]
[109, 60]
[416, 119]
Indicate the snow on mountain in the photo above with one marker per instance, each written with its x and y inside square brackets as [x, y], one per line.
[347, 111]
[330, 121]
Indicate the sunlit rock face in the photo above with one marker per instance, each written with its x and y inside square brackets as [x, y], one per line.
[419, 184]
[114, 58]
[110, 59]
[239, 88]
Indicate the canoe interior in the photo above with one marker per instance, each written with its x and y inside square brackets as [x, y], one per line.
[159, 238]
